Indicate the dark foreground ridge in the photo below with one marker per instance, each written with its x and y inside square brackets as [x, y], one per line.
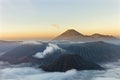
[68, 61]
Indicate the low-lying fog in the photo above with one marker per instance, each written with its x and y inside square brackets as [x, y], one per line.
[24, 72]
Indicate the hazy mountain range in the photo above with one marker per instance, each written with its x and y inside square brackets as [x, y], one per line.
[73, 35]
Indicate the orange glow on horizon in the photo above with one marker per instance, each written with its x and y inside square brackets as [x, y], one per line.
[50, 35]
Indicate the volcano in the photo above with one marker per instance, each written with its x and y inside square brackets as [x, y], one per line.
[69, 35]
[69, 61]
[73, 35]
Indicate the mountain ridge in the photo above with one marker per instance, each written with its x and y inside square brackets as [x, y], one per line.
[74, 35]
[70, 61]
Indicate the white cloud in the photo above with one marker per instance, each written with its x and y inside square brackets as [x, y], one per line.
[49, 50]
[32, 73]
[31, 42]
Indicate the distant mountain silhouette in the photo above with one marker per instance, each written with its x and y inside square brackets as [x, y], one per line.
[73, 35]
[6, 46]
[103, 36]
[68, 61]
[4, 41]
[69, 35]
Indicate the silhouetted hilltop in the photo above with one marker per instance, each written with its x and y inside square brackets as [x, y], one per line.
[69, 34]
[6, 46]
[68, 61]
[103, 36]
[73, 35]
[4, 41]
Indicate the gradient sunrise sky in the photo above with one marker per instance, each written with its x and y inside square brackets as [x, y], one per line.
[43, 19]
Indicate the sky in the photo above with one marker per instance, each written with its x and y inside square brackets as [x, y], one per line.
[45, 19]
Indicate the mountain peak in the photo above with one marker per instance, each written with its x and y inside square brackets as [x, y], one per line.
[70, 61]
[69, 34]
[103, 36]
[73, 35]
[71, 30]
[97, 34]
